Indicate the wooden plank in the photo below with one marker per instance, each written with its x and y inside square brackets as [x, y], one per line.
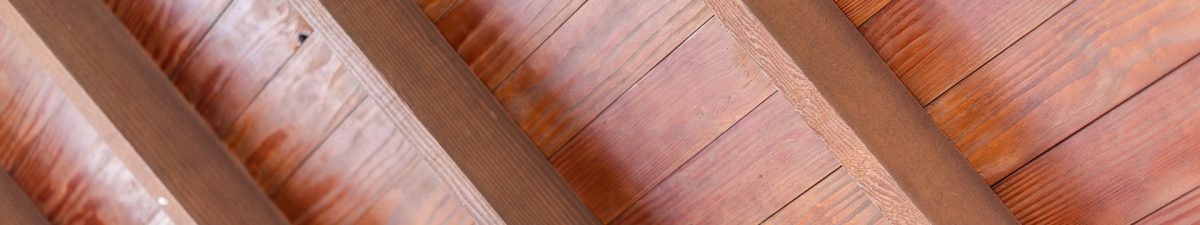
[15, 205]
[870, 121]
[933, 44]
[435, 9]
[130, 94]
[1184, 210]
[448, 115]
[860, 10]
[496, 36]
[245, 49]
[301, 106]
[692, 97]
[1079, 65]
[590, 61]
[1130, 162]
[169, 30]
[750, 172]
[836, 200]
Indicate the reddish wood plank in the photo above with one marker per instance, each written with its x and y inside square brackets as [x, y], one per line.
[496, 36]
[295, 112]
[1184, 210]
[1122, 167]
[932, 44]
[836, 200]
[693, 96]
[1083, 62]
[169, 30]
[593, 58]
[435, 9]
[243, 51]
[55, 155]
[753, 170]
[359, 164]
[860, 10]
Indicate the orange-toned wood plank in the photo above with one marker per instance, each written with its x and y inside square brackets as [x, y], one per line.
[1083, 62]
[435, 9]
[750, 172]
[294, 113]
[496, 36]
[860, 10]
[932, 44]
[243, 51]
[869, 120]
[105, 73]
[168, 29]
[1124, 165]
[452, 120]
[365, 159]
[693, 96]
[15, 205]
[55, 155]
[1184, 210]
[836, 200]
[594, 57]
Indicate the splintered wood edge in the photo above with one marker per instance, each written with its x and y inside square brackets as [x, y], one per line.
[455, 123]
[177, 136]
[875, 127]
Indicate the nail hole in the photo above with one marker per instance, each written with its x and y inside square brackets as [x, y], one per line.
[303, 37]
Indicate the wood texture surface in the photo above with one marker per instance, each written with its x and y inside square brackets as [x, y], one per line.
[448, 115]
[1184, 210]
[136, 98]
[295, 112]
[870, 121]
[591, 60]
[1133, 160]
[217, 80]
[496, 36]
[435, 9]
[682, 105]
[750, 172]
[860, 10]
[168, 30]
[1084, 61]
[16, 206]
[836, 200]
[933, 44]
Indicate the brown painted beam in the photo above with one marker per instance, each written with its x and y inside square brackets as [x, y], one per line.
[152, 129]
[883, 137]
[15, 205]
[455, 123]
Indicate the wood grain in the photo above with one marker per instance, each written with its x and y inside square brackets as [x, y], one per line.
[435, 9]
[243, 51]
[324, 191]
[16, 206]
[1184, 210]
[1083, 62]
[591, 60]
[448, 115]
[869, 120]
[1123, 166]
[836, 200]
[932, 44]
[295, 112]
[54, 154]
[750, 172]
[692, 97]
[134, 98]
[860, 10]
[496, 36]
[420, 199]
[169, 30]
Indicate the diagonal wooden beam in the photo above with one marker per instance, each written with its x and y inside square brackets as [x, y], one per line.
[106, 74]
[883, 137]
[15, 205]
[460, 128]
